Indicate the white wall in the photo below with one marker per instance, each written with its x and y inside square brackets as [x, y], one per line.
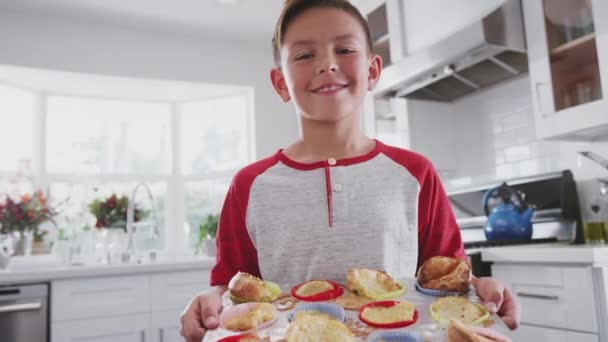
[491, 136]
[73, 45]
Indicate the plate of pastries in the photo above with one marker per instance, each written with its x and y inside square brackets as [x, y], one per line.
[367, 305]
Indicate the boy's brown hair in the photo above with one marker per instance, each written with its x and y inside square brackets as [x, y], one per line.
[293, 8]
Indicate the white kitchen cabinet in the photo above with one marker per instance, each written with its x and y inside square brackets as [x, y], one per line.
[568, 62]
[130, 328]
[99, 297]
[534, 333]
[144, 308]
[557, 302]
[386, 28]
[165, 326]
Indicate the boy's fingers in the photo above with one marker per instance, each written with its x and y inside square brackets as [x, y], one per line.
[509, 311]
[191, 328]
[210, 311]
[490, 291]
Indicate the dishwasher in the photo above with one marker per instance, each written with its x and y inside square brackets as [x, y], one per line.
[24, 313]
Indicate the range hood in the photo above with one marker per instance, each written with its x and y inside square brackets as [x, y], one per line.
[489, 51]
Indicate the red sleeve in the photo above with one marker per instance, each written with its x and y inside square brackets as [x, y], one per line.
[235, 251]
[438, 233]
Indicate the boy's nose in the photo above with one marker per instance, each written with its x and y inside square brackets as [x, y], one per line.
[332, 68]
[327, 64]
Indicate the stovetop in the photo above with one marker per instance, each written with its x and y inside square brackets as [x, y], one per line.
[504, 243]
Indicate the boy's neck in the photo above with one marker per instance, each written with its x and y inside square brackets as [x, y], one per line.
[322, 140]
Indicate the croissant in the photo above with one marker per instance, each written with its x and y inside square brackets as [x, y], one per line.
[264, 312]
[444, 273]
[458, 332]
[245, 287]
[370, 283]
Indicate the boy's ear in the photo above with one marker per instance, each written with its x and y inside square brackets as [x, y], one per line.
[375, 69]
[278, 82]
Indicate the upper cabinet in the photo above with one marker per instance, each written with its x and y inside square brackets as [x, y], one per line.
[568, 57]
[386, 28]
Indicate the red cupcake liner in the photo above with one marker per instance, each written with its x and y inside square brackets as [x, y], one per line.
[386, 304]
[335, 292]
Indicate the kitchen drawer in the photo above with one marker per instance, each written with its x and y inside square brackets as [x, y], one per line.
[559, 297]
[533, 333]
[128, 328]
[174, 290]
[98, 297]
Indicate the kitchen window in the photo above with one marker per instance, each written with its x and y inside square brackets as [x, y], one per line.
[82, 147]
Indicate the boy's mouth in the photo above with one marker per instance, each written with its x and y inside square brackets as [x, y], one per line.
[328, 89]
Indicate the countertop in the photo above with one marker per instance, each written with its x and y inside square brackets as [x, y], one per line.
[43, 272]
[555, 253]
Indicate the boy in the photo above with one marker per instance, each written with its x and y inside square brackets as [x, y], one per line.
[334, 199]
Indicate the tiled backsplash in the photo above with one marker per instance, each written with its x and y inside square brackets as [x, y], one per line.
[493, 138]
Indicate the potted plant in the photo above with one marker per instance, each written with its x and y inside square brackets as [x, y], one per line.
[23, 218]
[207, 231]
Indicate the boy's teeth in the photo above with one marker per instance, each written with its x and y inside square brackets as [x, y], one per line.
[330, 88]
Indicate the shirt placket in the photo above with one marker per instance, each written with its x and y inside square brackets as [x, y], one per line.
[328, 190]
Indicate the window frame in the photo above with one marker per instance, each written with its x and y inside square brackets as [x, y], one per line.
[175, 242]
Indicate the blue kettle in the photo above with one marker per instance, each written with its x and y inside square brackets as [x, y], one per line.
[510, 218]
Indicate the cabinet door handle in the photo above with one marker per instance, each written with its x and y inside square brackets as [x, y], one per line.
[537, 296]
[142, 336]
[161, 335]
[21, 307]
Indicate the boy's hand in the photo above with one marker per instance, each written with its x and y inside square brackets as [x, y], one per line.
[201, 314]
[498, 299]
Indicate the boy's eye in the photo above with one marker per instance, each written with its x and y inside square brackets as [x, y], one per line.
[303, 56]
[345, 51]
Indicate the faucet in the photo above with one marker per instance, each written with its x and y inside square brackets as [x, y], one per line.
[129, 253]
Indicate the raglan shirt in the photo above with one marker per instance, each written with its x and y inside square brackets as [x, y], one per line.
[289, 222]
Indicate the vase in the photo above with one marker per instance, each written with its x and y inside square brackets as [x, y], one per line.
[23, 244]
[110, 244]
[211, 247]
[39, 247]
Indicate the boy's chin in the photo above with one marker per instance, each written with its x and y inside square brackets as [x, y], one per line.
[328, 118]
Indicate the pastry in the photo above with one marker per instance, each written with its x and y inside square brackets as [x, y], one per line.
[319, 328]
[244, 287]
[403, 311]
[444, 273]
[262, 313]
[370, 283]
[458, 332]
[445, 309]
[351, 301]
[313, 287]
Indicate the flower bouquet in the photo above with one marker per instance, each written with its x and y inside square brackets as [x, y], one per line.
[24, 217]
[111, 212]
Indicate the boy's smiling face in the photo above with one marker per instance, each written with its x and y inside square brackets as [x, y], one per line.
[326, 67]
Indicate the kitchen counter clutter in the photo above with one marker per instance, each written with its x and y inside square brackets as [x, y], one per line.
[47, 269]
[562, 289]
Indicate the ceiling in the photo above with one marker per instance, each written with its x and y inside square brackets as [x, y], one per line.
[221, 19]
[66, 83]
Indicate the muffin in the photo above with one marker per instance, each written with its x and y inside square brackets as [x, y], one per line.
[445, 274]
[244, 287]
[370, 283]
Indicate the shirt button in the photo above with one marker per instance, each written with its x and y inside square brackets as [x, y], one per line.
[331, 161]
[337, 187]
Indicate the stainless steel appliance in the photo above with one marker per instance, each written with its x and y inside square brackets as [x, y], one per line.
[556, 217]
[24, 313]
[489, 51]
